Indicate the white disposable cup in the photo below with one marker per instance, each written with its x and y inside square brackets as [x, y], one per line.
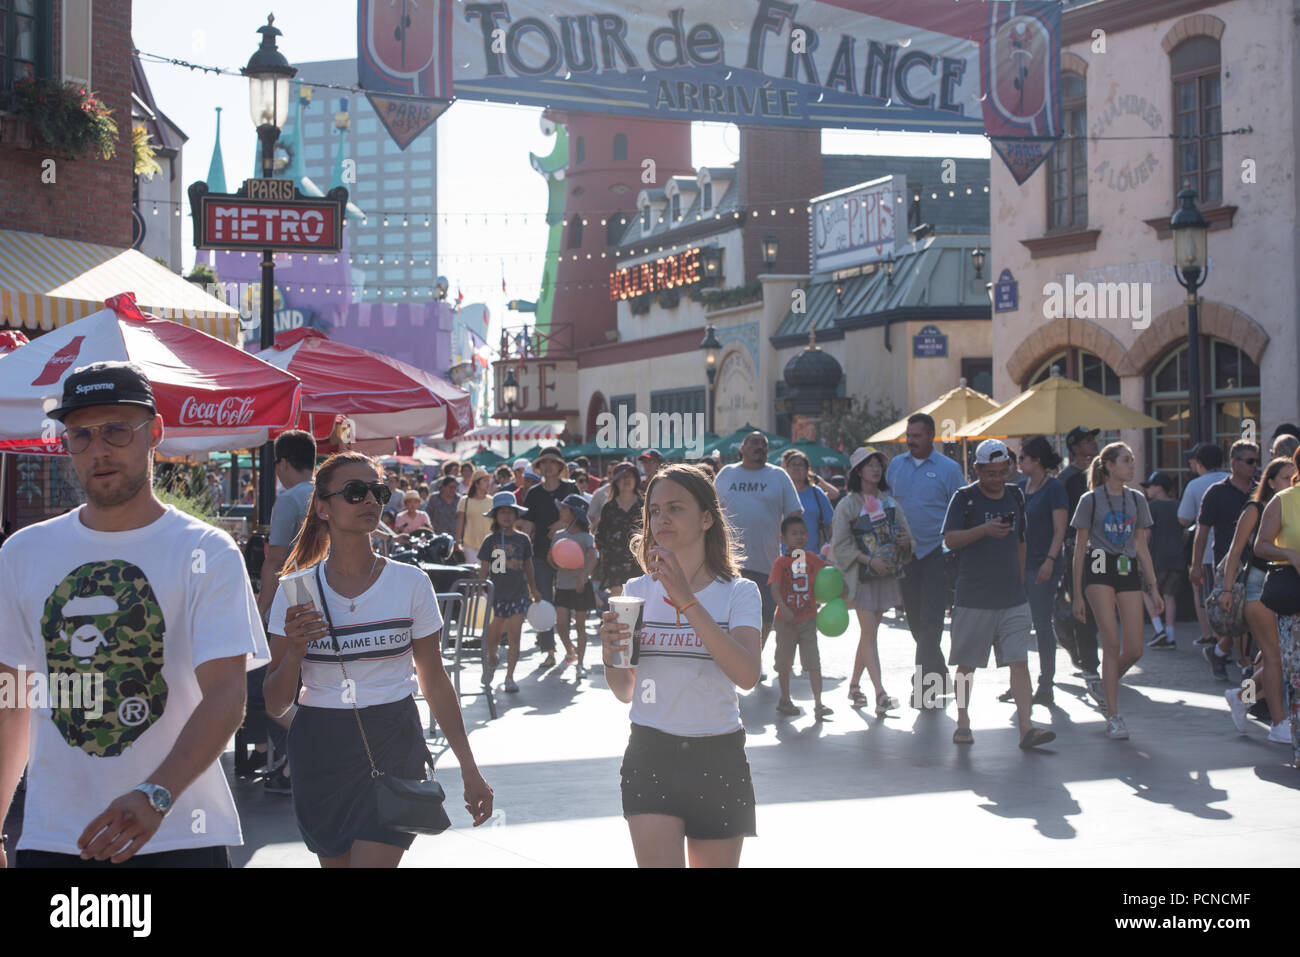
[300, 588]
[627, 611]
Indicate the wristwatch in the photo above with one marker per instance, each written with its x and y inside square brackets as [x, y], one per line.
[160, 799]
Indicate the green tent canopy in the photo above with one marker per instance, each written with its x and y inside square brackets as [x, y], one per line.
[819, 455]
[223, 459]
[729, 445]
[486, 458]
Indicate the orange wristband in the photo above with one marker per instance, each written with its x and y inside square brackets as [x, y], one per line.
[682, 610]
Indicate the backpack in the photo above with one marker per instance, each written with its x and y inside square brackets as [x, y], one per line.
[953, 563]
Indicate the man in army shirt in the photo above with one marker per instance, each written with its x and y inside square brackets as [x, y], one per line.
[126, 627]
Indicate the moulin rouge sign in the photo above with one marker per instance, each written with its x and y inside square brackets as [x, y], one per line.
[268, 214]
[666, 272]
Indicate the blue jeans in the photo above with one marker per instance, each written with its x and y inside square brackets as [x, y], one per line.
[1041, 599]
[544, 577]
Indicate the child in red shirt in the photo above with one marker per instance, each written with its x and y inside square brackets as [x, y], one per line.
[791, 581]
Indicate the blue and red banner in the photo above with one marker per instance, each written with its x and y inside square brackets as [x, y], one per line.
[402, 51]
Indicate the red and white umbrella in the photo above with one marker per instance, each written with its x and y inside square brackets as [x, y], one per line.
[382, 396]
[211, 396]
[11, 340]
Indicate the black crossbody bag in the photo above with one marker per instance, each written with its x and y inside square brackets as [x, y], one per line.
[405, 804]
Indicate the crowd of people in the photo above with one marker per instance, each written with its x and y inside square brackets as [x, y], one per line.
[339, 638]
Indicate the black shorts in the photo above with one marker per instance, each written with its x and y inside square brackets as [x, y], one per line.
[765, 590]
[333, 793]
[575, 600]
[212, 856]
[704, 781]
[1111, 575]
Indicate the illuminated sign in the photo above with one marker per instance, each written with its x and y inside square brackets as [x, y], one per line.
[666, 272]
[262, 215]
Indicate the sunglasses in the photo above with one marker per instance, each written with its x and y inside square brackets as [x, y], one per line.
[118, 434]
[354, 492]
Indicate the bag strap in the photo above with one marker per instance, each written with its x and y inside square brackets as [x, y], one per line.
[329, 621]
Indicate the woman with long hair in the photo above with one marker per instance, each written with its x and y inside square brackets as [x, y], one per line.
[620, 520]
[472, 523]
[1261, 622]
[1278, 541]
[818, 513]
[870, 542]
[1046, 516]
[386, 644]
[1111, 562]
[687, 790]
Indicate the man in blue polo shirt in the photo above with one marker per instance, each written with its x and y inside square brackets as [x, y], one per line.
[924, 482]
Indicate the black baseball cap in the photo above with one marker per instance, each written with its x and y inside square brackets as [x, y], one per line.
[105, 383]
[1207, 453]
[1163, 479]
[1078, 434]
[653, 454]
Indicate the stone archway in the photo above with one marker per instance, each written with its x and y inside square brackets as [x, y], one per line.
[1200, 24]
[1061, 334]
[1217, 320]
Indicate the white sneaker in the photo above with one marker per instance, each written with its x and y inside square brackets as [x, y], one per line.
[1238, 709]
[1281, 733]
[1115, 728]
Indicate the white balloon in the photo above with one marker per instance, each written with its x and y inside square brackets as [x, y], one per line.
[541, 615]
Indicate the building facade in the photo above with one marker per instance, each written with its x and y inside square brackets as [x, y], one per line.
[1086, 238]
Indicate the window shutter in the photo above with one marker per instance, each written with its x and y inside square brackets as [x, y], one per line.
[76, 41]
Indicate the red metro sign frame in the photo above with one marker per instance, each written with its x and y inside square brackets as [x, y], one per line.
[268, 214]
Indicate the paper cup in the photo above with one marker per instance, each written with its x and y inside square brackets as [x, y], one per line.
[628, 611]
[300, 588]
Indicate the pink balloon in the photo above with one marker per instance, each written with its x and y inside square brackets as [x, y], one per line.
[566, 553]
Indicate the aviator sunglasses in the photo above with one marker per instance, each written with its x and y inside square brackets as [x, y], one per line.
[354, 492]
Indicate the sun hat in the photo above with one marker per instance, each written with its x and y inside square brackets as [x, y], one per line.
[504, 500]
[862, 453]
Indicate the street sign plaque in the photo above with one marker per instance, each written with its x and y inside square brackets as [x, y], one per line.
[268, 214]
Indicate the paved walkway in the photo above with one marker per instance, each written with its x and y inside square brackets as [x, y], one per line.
[858, 790]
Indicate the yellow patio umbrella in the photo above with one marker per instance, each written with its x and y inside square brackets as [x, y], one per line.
[1053, 407]
[959, 406]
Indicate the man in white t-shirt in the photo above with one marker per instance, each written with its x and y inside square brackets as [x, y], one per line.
[756, 498]
[127, 629]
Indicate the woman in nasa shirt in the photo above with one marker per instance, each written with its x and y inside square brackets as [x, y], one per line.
[687, 791]
[386, 620]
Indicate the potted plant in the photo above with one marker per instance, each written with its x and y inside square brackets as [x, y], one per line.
[69, 119]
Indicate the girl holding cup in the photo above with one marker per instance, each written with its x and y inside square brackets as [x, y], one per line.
[687, 792]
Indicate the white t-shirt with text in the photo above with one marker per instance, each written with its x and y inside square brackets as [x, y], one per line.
[679, 687]
[131, 614]
[375, 640]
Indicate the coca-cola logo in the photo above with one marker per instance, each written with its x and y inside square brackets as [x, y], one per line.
[233, 410]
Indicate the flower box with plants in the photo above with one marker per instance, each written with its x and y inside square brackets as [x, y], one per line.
[69, 119]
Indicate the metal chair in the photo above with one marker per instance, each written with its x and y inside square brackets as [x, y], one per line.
[469, 603]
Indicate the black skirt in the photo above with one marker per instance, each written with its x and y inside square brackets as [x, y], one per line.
[333, 794]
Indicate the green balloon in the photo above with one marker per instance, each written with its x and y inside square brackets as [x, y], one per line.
[829, 584]
[833, 619]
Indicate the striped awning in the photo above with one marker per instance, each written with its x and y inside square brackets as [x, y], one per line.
[524, 432]
[47, 282]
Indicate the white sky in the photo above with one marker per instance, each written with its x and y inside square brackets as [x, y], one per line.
[482, 147]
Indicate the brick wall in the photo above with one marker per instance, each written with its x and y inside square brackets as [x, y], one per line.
[90, 199]
[778, 167]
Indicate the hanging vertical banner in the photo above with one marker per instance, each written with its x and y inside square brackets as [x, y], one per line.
[403, 47]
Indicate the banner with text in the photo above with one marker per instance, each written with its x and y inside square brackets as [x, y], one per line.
[916, 65]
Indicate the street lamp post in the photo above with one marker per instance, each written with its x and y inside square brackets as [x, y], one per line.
[1191, 267]
[771, 246]
[711, 347]
[268, 75]
[509, 393]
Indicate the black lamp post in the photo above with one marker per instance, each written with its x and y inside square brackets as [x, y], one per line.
[509, 393]
[268, 75]
[1191, 267]
[977, 260]
[771, 246]
[711, 347]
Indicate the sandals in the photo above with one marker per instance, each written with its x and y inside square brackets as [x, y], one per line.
[963, 736]
[1007, 695]
[857, 697]
[885, 704]
[788, 707]
[1035, 738]
[822, 711]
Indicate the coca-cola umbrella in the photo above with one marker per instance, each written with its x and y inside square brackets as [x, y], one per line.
[382, 396]
[211, 395]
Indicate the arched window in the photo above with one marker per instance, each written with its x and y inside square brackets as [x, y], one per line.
[706, 196]
[1194, 69]
[1067, 185]
[1232, 397]
[620, 147]
[1082, 366]
[582, 150]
